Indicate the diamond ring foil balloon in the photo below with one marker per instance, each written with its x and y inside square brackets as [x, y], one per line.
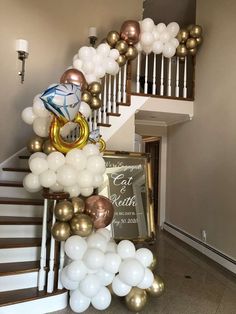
[63, 100]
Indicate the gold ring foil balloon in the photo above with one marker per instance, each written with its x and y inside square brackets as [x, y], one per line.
[130, 31]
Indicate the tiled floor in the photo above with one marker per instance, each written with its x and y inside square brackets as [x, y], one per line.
[210, 290]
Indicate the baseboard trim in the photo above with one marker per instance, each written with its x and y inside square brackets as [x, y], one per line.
[216, 255]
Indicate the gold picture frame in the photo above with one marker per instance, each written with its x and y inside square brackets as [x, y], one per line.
[128, 184]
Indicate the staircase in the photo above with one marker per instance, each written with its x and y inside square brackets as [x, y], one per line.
[20, 242]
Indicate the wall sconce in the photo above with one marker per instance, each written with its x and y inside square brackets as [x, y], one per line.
[22, 47]
[92, 34]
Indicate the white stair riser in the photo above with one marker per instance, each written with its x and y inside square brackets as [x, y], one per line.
[39, 306]
[20, 231]
[19, 255]
[18, 192]
[13, 175]
[21, 210]
[20, 281]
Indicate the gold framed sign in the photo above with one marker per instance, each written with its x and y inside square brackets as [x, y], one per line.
[128, 185]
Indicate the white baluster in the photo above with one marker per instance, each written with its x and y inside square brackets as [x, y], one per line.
[94, 119]
[62, 260]
[109, 94]
[105, 100]
[138, 73]
[124, 83]
[169, 78]
[146, 75]
[90, 122]
[177, 78]
[114, 107]
[42, 271]
[162, 76]
[99, 119]
[52, 256]
[119, 85]
[154, 74]
[185, 78]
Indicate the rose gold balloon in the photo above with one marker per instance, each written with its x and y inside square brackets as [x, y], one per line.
[100, 209]
[73, 76]
[130, 31]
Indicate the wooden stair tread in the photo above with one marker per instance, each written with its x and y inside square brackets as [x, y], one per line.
[12, 220]
[23, 157]
[104, 124]
[9, 243]
[18, 268]
[16, 169]
[23, 295]
[20, 201]
[123, 104]
[113, 114]
[16, 184]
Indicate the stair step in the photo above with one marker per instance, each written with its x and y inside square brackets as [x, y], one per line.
[113, 114]
[23, 157]
[104, 124]
[8, 243]
[11, 183]
[18, 268]
[20, 201]
[16, 169]
[123, 104]
[9, 220]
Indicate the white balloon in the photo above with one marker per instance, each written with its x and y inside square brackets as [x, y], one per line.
[79, 302]
[112, 247]
[114, 54]
[102, 299]
[93, 51]
[85, 53]
[85, 109]
[156, 34]
[94, 258]
[126, 249]
[38, 165]
[91, 149]
[73, 190]
[76, 158]
[75, 247]
[41, 126]
[119, 287]
[28, 115]
[147, 25]
[105, 277]
[76, 56]
[86, 191]
[57, 187]
[90, 78]
[103, 50]
[97, 241]
[39, 109]
[96, 164]
[164, 37]
[174, 42]
[36, 97]
[78, 64]
[168, 50]
[99, 71]
[39, 155]
[112, 262]
[139, 47]
[90, 285]
[146, 39]
[173, 29]
[157, 47]
[105, 233]
[66, 282]
[111, 66]
[31, 183]
[76, 271]
[66, 175]
[145, 256]
[131, 272]
[97, 180]
[88, 67]
[55, 160]
[147, 49]
[97, 59]
[47, 178]
[85, 179]
[161, 27]
[147, 280]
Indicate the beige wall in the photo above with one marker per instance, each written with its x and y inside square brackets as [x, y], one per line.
[202, 154]
[55, 30]
[153, 130]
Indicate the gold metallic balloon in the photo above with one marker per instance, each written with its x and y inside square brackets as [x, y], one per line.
[48, 148]
[154, 263]
[64, 211]
[191, 43]
[181, 59]
[95, 88]
[35, 144]
[122, 46]
[131, 53]
[112, 38]
[81, 225]
[182, 36]
[130, 31]
[86, 97]
[121, 60]
[78, 205]
[181, 50]
[196, 31]
[73, 76]
[157, 288]
[96, 103]
[61, 231]
[59, 143]
[199, 40]
[136, 299]
[189, 27]
[192, 51]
